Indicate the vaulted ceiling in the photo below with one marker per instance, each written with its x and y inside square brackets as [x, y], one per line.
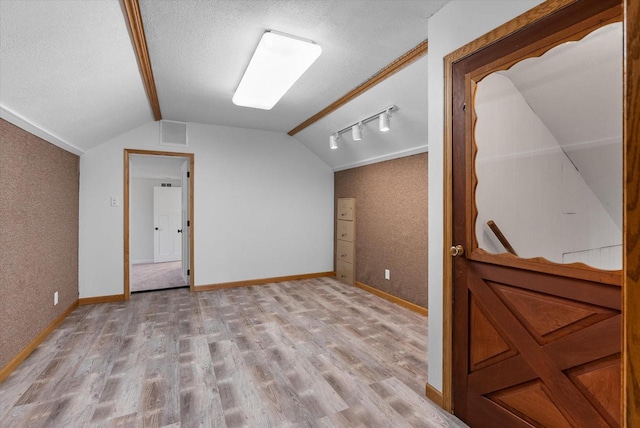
[69, 72]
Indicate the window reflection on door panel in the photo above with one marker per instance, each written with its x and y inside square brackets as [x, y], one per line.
[548, 133]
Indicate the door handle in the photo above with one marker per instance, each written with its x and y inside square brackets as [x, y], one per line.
[157, 228]
[456, 250]
[179, 230]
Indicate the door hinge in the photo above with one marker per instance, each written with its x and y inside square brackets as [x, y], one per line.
[188, 223]
[188, 174]
[188, 272]
[464, 107]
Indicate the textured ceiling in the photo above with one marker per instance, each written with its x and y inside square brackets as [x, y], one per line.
[68, 69]
[68, 72]
[199, 51]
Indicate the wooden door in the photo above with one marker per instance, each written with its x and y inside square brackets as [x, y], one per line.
[536, 342]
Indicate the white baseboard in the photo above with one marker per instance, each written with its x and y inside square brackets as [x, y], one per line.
[142, 261]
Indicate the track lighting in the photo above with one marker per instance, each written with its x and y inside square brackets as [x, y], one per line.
[333, 141]
[356, 128]
[383, 122]
[356, 132]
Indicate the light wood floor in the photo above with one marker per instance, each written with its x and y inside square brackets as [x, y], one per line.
[312, 353]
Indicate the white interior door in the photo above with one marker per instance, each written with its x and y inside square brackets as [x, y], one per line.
[186, 256]
[167, 215]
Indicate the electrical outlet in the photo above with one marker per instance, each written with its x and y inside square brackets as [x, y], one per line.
[55, 298]
[114, 201]
[387, 274]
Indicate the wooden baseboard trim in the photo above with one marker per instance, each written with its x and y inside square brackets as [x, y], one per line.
[390, 297]
[222, 285]
[22, 355]
[434, 395]
[101, 299]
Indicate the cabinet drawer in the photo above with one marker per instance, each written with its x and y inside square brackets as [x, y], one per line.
[345, 209]
[345, 230]
[344, 251]
[344, 271]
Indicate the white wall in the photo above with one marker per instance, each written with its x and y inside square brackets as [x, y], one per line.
[456, 24]
[263, 207]
[141, 223]
[530, 188]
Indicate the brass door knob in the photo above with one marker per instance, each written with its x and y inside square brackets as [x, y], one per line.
[456, 250]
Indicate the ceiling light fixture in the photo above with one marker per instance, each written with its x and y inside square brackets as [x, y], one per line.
[356, 132]
[356, 128]
[333, 141]
[278, 62]
[383, 122]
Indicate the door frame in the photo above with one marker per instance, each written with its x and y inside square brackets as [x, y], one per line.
[631, 187]
[126, 259]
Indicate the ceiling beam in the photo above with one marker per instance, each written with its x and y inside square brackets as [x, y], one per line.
[390, 69]
[136, 29]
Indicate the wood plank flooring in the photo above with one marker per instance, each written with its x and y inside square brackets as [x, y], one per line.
[311, 353]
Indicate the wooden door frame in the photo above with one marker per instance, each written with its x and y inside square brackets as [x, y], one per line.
[631, 159]
[631, 273]
[127, 154]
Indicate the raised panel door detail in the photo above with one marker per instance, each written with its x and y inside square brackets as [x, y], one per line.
[544, 351]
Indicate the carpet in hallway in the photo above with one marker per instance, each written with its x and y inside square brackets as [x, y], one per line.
[156, 276]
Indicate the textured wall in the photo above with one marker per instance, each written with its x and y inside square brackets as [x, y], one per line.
[391, 224]
[39, 236]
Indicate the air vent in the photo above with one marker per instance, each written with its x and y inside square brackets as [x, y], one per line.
[173, 133]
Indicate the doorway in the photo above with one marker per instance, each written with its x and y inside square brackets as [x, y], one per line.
[158, 230]
[536, 336]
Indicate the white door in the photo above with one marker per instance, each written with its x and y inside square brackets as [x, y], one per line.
[167, 245]
[186, 256]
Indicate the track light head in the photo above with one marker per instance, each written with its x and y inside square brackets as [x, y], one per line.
[356, 132]
[333, 141]
[383, 121]
[358, 127]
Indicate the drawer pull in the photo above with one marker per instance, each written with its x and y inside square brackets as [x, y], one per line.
[344, 255]
[343, 214]
[344, 234]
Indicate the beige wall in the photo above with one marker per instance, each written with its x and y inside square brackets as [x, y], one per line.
[39, 235]
[391, 224]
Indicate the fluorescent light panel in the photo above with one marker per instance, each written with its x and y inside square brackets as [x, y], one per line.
[277, 63]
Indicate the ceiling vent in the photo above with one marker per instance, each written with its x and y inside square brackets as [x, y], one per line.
[173, 133]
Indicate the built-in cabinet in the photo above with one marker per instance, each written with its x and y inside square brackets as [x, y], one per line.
[346, 240]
